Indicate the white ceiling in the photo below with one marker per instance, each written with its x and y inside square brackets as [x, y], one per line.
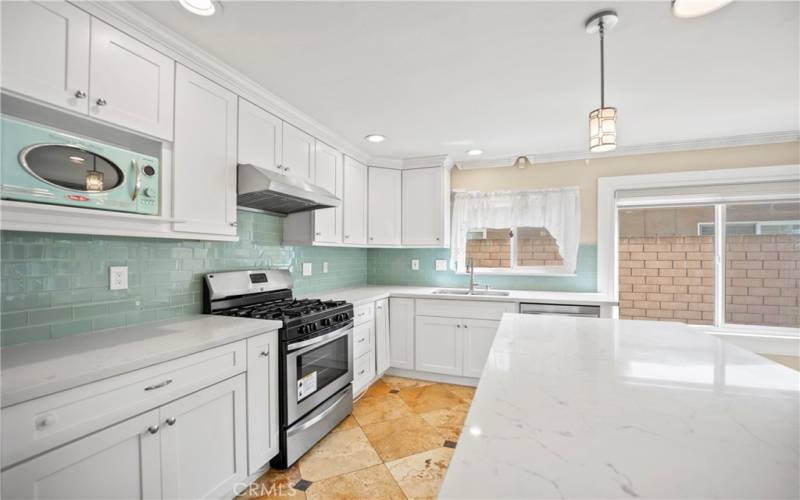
[510, 78]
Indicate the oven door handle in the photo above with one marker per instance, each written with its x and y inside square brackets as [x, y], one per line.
[315, 420]
[322, 339]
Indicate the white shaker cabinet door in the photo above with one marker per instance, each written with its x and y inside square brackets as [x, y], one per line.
[438, 344]
[45, 52]
[423, 207]
[260, 137]
[329, 174]
[205, 156]
[385, 192]
[478, 337]
[382, 348]
[355, 202]
[262, 400]
[298, 153]
[131, 84]
[121, 461]
[401, 333]
[204, 441]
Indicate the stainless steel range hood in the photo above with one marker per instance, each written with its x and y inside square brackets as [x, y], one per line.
[264, 190]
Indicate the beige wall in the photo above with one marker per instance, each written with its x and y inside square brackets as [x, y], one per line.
[585, 173]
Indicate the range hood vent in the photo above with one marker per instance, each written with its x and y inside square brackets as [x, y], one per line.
[263, 190]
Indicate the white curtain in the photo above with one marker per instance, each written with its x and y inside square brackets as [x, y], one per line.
[558, 210]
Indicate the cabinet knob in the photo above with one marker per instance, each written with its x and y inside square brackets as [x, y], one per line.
[263, 354]
[101, 102]
[371, 238]
[347, 236]
[152, 429]
[80, 94]
[318, 234]
[233, 224]
[458, 326]
[171, 420]
[437, 238]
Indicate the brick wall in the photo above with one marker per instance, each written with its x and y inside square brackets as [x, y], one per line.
[672, 279]
[535, 247]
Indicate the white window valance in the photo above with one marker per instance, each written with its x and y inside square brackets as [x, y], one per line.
[558, 210]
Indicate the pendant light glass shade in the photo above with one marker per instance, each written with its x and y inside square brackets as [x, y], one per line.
[522, 162]
[94, 180]
[603, 130]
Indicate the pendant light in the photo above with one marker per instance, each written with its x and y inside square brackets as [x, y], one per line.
[522, 162]
[94, 178]
[603, 120]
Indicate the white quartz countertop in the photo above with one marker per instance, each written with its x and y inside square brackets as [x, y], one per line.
[364, 294]
[40, 368]
[599, 408]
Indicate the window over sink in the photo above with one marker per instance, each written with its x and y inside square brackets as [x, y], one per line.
[513, 249]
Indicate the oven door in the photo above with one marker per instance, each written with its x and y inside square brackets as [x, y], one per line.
[316, 369]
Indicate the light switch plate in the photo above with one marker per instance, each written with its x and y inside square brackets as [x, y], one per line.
[306, 268]
[441, 265]
[415, 264]
[118, 278]
[324, 267]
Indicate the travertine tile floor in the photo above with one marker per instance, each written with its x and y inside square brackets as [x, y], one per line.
[397, 444]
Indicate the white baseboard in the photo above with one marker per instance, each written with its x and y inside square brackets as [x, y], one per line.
[433, 377]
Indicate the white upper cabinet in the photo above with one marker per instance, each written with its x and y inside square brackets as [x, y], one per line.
[45, 52]
[329, 174]
[384, 206]
[260, 137]
[204, 196]
[298, 152]
[355, 202]
[426, 207]
[131, 84]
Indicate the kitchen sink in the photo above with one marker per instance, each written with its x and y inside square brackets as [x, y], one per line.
[462, 291]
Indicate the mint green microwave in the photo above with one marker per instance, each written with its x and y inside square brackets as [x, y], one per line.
[45, 166]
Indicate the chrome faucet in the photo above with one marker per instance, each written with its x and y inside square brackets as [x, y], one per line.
[472, 282]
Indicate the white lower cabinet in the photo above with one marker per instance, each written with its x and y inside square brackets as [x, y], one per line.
[382, 348]
[401, 333]
[121, 461]
[262, 400]
[204, 440]
[478, 336]
[439, 345]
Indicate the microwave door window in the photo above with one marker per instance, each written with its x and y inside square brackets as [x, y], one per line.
[72, 168]
[321, 366]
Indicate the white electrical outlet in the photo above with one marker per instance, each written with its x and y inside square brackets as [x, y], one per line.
[118, 278]
[441, 265]
[415, 264]
[324, 267]
[306, 268]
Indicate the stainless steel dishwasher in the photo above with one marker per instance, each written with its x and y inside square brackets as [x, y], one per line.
[560, 310]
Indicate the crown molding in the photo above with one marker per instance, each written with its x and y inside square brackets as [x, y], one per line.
[151, 32]
[428, 161]
[644, 149]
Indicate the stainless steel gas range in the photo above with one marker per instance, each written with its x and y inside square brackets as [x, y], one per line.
[316, 347]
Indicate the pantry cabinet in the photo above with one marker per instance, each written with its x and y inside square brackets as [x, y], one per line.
[45, 52]
[298, 153]
[426, 207]
[130, 84]
[355, 202]
[260, 137]
[384, 206]
[204, 196]
[401, 333]
[122, 461]
[203, 441]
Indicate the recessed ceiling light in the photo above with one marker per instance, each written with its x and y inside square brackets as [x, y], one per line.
[199, 7]
[695, 8]
[475, 152]
[375, 138]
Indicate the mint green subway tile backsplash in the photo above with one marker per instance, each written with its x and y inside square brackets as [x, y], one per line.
[388, 266]
[52, 285]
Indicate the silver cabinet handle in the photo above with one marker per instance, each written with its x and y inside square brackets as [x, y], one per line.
[361, 340]
[317, 234]
[171, 420]
[233, 224]
[138, 184]
[158, 385]
[152, 429]
[264, 354]
[101, 102]
[80, 94]
[286, 169]
[362, 372]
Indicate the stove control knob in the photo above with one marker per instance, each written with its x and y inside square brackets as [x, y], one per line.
[303, 329]
[326, 322]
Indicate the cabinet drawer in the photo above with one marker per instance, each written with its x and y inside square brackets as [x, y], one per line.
[41, 424]
[362, 339]
[363, 371]
[466, 309]
[363, 313]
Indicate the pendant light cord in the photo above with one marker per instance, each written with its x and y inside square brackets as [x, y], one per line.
[602, 65]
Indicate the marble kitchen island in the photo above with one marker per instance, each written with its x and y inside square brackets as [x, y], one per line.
[600, 408]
